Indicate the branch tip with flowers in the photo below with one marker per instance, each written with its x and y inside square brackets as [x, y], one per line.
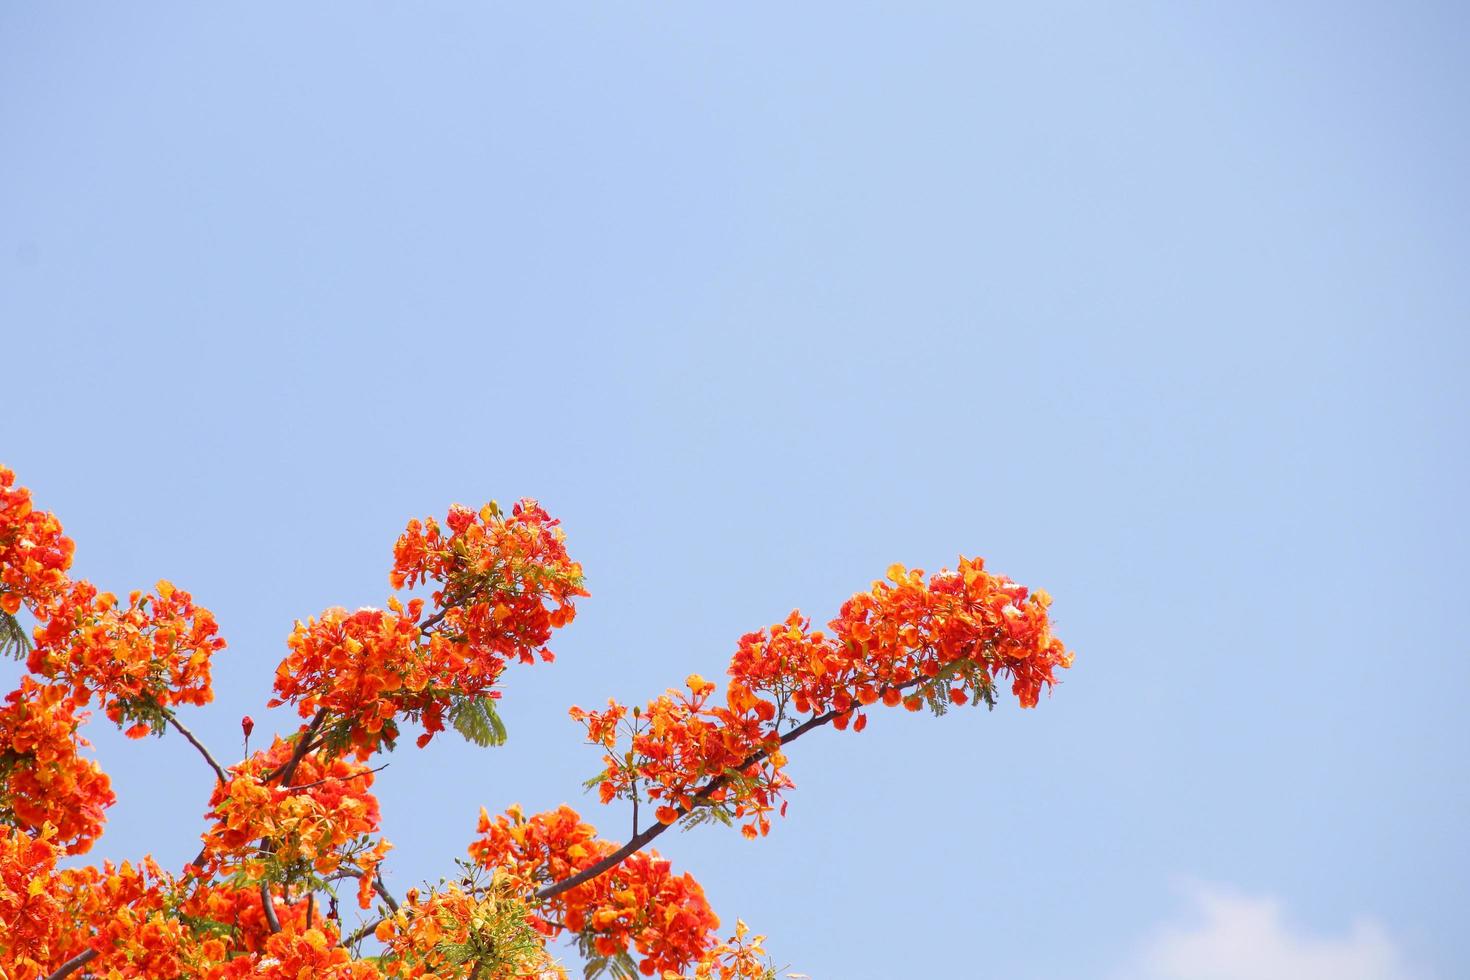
[295, 819]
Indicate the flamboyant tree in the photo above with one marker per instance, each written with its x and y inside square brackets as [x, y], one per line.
[287, 880]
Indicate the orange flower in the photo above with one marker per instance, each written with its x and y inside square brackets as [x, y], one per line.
[43, 781]
[135, 659]
[637, 905]
[505, 584]
[317, 825]
[905, 641]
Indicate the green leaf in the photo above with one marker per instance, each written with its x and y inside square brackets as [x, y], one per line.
[14, 642]
[476, 719]
[706, 814]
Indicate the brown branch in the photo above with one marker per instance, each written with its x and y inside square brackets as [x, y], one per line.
[219, 770]
[367, 928]
[72, 965]
[268, 904]
[383, 892]
[642, 840]
[286, 771]
[434, 620]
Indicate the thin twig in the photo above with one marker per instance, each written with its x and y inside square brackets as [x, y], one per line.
[72, 965]
[328, 779]
[368, 928]
[219, 770]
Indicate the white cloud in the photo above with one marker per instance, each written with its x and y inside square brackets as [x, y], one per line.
[1237, 937]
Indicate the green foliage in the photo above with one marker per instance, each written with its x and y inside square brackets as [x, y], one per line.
[620, 965]
[715, 813]
[967, 673]
[477, 720]
[500, 939]
[142, 709]
[14, 642]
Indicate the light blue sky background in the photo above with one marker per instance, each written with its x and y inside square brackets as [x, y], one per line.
[1161, 307]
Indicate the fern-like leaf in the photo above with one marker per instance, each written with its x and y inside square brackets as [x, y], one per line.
[14, 643]
[477, 720]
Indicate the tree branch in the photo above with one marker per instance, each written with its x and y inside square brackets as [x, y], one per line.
[434, 620]
[268, 904]
[642, 840]
[364, 931]
[343, 779]
[383, 892]
[285, 772]
[72, 965]
[219, 771]
[367, 929]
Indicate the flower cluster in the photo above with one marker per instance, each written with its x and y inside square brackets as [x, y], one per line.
[364, 668]
[313, 828]
[34, 919]
[138, 659]
[34, 554]
[906, 641]
[688, 751]
[969, 626]
[312, 954]
[129, 912]
[458, 932]
[119, 915]
[43, 781]
[639, 904]
[237, 914]
[741, 957]
[501, 583]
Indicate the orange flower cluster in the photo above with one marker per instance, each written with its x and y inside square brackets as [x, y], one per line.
[317, 826]
[741, 957]
[153, 653]
[907, 640]
[34, 554]
[137, 660]
[42, 778]
[364, 668]
[238, 914]
[639, 904]
[129, 911]
[123, 914]
[454, 933]
[313, 954]
[967, 624]
[35, 922]
[681, 741]
[502, 583]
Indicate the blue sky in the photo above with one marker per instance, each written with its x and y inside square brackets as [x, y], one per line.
[1160, 307]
